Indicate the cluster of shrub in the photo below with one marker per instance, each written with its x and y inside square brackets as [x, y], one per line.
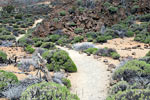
[29, 89]
[107, 52]
[56, 60]
[133, 80]
[14, 22]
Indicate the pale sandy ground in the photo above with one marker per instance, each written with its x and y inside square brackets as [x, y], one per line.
[17, 51]
[91, 82]
[120, 44]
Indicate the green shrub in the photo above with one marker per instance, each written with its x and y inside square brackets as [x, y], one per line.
[7, 78]
[38, 44]
[78, 39]
[47, 91]
[9, 8]
[59, 59]
[101, 39]
[145, 17]
[135, 9]
[131, 94]
[7, 37]
[48, 45]
[62, 13]
[56, 20]
[148, 54]
[120, 86]
[66, 82]
[24, 41]
[132, 69]
[3, 56]
[130, 33]
[22, 32]
[91, 50]
[78, 30]
[107, 4]
[2, 29]
[62, 41]
[23, 26]
[90, 39]
[5, 32]
[29, 49]
[15, 26]
[54, 38]
[19, 16]
[113, 9]
[115, 55]
[72, 24]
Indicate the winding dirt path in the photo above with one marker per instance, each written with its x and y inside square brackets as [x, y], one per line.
[33, 26]
[91, 80]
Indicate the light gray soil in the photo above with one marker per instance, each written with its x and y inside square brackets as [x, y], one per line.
[92, 79]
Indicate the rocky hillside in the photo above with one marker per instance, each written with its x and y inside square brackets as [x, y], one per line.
[89, 15]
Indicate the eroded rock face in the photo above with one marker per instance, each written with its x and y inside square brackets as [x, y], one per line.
[92, 16]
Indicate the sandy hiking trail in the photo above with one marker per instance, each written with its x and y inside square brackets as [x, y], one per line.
[91, 81]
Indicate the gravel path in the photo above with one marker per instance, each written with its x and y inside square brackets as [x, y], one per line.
[91, 80]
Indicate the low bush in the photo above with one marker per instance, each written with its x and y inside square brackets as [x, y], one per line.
[72, 24]
[59, 59]
[91, 50]
[7, 78]
[62, 13]
[145, 18]
[47, 91]
[112, 9]
[148, 54]
[24, 41]
[7, 37]
[83, 46]
[101, 39]
[5, 32]
[120, 86]
[129, 33]
[54, 38]
[135, 9]
[108, 52]
[66, 82]
[23, 26]
[131, 94]
[29, 49]
[62, 41]
[78, 30]
[3, 56]
[38, 44]
[48, 45]
[19, 16]
[115, 55]
[131, 70]
[78, 39]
